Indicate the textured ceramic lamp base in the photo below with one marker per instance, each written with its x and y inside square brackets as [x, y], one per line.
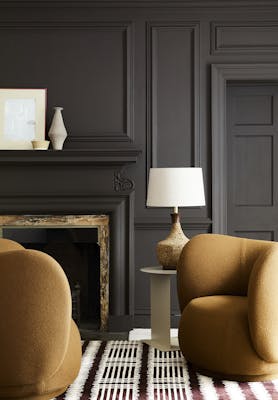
[168, 250]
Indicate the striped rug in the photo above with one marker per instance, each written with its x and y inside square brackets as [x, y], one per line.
[131, 370]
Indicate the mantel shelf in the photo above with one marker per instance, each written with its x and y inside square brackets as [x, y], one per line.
[98, 157]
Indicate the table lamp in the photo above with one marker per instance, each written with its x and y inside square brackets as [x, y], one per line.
[174, 187]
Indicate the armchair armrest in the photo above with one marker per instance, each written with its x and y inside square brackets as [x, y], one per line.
[9, 245]
[263, 304]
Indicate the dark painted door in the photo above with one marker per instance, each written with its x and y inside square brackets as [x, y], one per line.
[252, 129]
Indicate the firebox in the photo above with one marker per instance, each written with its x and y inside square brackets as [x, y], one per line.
[77, 251]
[80, 244]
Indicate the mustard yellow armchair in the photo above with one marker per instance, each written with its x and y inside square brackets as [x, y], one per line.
[228, 295]
[40, 347]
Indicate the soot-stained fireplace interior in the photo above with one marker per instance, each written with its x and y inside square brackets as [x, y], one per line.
[82, 253]
[77, 251]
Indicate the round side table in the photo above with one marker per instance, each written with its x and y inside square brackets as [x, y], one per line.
[161, 308]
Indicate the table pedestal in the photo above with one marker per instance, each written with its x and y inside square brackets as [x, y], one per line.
[160, 309]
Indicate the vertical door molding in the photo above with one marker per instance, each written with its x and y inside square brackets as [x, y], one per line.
[221, 74]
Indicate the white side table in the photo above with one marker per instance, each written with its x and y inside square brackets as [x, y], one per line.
[160, 308]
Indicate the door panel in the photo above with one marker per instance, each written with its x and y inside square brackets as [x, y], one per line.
[252, 121]
[252, 158]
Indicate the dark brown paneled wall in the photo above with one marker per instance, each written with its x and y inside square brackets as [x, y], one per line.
[129, 75]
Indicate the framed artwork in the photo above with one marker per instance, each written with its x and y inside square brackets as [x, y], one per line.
[22, 117]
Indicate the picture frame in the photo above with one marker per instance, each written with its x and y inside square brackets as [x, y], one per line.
[22, 118]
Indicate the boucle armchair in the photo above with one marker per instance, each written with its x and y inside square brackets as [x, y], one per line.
[40, 347]
[228, 295]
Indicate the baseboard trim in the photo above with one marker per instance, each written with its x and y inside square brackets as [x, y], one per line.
[144, 321]
[120, 323]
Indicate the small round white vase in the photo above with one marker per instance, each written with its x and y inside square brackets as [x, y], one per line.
[57, 132]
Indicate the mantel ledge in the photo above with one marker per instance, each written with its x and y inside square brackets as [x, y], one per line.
[101, 157]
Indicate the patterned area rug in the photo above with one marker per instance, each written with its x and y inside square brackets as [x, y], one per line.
[131, 370]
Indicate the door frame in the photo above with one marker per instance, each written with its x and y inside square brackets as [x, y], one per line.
[221, 74]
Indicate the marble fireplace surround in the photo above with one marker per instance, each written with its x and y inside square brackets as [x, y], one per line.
[100, 222]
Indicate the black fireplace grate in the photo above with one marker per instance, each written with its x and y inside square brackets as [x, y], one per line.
[75, 298]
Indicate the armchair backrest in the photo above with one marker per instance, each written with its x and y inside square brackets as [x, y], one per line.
[35, 316]
[213, 264]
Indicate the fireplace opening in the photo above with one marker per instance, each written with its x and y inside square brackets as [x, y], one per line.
[78, 253]
[32, 229]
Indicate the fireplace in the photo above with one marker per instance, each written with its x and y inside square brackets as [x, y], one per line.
[98, 181]
[62, 228]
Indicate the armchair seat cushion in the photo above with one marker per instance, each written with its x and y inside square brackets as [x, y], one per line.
[214, 335]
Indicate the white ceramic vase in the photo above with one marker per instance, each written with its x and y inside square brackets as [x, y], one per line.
[57, 132]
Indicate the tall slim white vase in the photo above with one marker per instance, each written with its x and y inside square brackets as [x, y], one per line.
[57, 132]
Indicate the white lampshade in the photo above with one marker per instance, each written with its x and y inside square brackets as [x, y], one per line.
[175, 187]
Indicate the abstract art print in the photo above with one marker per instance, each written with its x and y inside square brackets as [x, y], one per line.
[22, 117]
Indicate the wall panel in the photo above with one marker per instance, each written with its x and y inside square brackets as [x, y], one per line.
[173, 79]
[244, 37]
[87, 69]
[260, 235]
